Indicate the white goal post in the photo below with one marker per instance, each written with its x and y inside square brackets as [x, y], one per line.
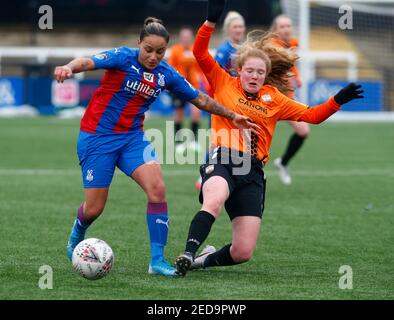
[42, 54]
[311, 16]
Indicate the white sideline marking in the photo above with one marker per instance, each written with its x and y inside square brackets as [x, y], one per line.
[194, 172]
[366, 116]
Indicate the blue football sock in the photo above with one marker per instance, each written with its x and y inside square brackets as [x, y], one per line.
[157, 219]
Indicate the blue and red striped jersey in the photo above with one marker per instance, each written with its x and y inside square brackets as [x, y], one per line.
[127, 90]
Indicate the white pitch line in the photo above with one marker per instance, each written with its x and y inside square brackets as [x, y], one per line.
[193, 172]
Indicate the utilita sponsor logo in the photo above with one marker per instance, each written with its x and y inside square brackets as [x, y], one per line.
[142, 88]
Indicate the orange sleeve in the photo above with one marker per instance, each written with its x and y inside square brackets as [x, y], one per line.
[211, 69]
[321, 112]
[296, 111]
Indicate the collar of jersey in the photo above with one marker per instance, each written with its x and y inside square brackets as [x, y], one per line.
[239, 86]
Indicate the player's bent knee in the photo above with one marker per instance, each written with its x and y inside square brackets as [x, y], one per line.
[241, 255]
[93, 210]
[305, 134]
[213, 204]
[157, 193]
[304, 131]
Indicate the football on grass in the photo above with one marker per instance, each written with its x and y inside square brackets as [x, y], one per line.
[93, 258]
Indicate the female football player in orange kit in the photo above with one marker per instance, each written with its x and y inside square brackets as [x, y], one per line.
[234, 175]
[282, 27]
[234, 30]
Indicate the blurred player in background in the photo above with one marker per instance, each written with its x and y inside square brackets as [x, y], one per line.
[182, 59]
[234, 30]
[111, 132]
[283, 28]
[263, 75]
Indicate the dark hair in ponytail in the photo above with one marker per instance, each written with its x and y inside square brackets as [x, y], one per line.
[153, 26]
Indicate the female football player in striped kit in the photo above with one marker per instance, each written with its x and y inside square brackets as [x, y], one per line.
[234, 176]
[111, 132]
[234, 29]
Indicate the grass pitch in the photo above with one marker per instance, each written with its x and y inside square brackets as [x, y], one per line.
[338, 211]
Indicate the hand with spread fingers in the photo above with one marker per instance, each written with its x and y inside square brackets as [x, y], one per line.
[243, 122]
[350, 92]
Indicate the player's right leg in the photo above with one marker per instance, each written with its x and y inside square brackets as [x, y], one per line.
[301, 132]
[97, 158]
[179, 116]
[215, 191]
[195, 115]
[90, 210]
[198, 182]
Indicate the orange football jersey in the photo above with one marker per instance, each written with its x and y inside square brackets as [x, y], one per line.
[184, 62]
[266, 110]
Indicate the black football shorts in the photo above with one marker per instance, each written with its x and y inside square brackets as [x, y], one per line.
[247, 189]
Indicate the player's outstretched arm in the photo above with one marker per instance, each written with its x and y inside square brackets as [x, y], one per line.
[77, 65]
[322, 112]
[206, 103]
[200, 48]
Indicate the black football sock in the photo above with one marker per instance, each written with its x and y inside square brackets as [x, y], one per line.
[220, 258]
[294, 145]
[194, 127]
[198, 231]
[177, 127]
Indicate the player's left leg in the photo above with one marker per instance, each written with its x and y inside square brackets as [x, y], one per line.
[301, 132]
[245, 207]
[138, 160]
[179, 115]
[178, 121]
[149, 177]
[194, 126]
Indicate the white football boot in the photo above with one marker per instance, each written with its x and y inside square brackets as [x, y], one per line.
[283, 172]
[198, 262]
